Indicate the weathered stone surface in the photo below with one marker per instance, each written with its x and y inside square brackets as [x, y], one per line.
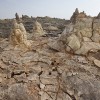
[38, 29]
[96, 37]
[73, 42]
[77, 15]
[88, 46]
[57, 45]
[18, 36]
[97, 62]
[82, 36]
[98, 16]
[74, 16]
[52, 28]
[86, 39]
[83, 90]
[84, 27]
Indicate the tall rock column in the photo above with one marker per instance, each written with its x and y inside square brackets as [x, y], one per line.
[18, 36]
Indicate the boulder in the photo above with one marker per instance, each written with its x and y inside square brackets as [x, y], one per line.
[84, 27]
[57, 45]
[73, 42]
[98, 16]
[97, 62]
[86, 39]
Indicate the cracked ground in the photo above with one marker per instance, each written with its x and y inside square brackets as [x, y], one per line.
[45, 74]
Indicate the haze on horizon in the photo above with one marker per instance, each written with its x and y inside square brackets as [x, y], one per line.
[52, 8]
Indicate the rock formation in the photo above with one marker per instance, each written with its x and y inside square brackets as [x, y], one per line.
[38, 30]
[98, 16]
[76, 15]
[17, 17]
[82, 36]
[18, 35]
[57, 68]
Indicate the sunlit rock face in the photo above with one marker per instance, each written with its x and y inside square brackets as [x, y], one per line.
[82, 36]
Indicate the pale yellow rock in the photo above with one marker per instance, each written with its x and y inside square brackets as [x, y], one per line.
[42, 86]
[97, 62]
[84, 26]
[88, 46]
[18, 36]
[73, 42]
[38, 30]
[86, 33]
[86, 39]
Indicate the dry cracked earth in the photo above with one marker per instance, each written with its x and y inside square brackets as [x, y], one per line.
[46, 74]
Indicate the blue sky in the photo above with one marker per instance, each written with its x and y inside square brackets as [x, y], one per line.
[52, 8]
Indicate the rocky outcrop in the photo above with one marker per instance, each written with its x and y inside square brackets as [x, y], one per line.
[98, 17]
[18, 36]
[82, 36]
[76, 15]
[73, 42]
[55, 68]
[96, 30]
[38, 30]
[17, 17]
